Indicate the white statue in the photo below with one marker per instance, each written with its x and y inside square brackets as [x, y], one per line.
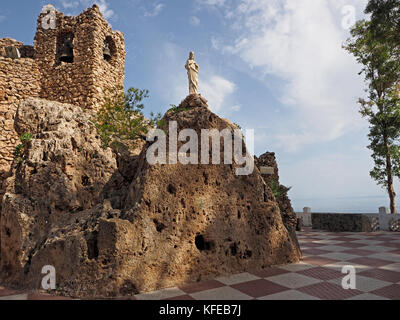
[193, 73]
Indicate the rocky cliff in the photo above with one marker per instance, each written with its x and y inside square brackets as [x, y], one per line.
[289, 218]
[115, 225]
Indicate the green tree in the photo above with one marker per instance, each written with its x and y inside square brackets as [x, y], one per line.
[120, 120]
[376, 46]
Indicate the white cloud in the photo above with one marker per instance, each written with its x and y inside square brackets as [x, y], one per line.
[155, 11]
[216, 89]
[69, 4]
[2, 18]
[194, 21]
[104, 6]
[211, 2]
[236, 107]
[299, 41]
[215, 43]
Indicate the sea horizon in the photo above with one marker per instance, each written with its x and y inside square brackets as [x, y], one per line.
[359, 204]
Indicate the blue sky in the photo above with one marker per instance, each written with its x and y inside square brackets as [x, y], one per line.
[275, 66]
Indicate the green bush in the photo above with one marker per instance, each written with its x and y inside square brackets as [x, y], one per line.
[121, 119]
[19, 151]
[277, 189]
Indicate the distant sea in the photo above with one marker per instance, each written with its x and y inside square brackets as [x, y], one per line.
[363, 204]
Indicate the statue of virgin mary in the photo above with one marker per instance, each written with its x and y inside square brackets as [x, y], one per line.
[193, 73]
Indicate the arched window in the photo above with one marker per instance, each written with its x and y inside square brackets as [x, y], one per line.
[109, 49]
[65, 47]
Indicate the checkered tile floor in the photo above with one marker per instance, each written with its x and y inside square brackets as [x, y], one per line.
[376, 257]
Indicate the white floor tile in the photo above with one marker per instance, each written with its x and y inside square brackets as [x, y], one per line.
[376, 248]
[339, 256]
[223, 293]
[289, 295]
[297, 267]
[293, 280]
[333, 248]
[364, 284]
[368, 296]
[237, 278]
[394, 258]
[328, 242]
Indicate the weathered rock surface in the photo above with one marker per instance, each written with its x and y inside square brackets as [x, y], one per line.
[288, 215]
[62, 175]
[110, 231]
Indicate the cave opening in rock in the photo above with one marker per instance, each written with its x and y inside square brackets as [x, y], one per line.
[202, 244]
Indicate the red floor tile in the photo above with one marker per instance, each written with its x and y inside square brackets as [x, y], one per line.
[339, 234]
[269, 272]
[329, 291]
[351, 245]
[359, 252]
[391, 292]
[314, 251]
[311, 244]
[321, 273]
[318, 261]
[259, 288]
[201, 286]
[381, 274]
[370, 262]
[347, 239]
[393, 245]
[386, 238]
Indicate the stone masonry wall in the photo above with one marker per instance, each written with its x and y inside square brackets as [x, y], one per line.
[19, 79]
[85, 81]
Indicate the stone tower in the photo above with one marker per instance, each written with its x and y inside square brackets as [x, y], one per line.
[40, 72]
[86, 79]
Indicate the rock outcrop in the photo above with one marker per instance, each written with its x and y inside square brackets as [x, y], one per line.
[61, 175]
[115, 227]
[288, 215]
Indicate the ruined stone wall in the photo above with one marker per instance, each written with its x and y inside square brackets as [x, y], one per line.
[19, 79]
[25, 51]
[85, 81]
[7, 42]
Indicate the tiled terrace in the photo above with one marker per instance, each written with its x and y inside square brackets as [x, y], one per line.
[376, 257]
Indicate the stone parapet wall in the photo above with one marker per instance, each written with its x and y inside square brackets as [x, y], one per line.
[342, 222]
